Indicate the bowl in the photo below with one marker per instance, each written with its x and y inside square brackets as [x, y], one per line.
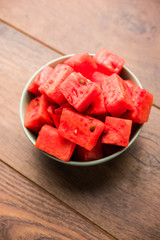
[26, 98]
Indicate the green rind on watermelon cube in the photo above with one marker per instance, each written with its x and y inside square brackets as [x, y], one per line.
[79, 91]
[36, 114]
[117, 131]
[52, 143]
[51, 88]
[45, 74]
[80, 129]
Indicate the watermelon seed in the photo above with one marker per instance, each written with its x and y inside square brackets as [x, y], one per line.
[92, 128]
[70, 99]
[76, 131]
[37, 103]
[74, 92]
[50, 81]
[82, 81]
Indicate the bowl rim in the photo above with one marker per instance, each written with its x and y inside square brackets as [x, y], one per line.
[73, 163]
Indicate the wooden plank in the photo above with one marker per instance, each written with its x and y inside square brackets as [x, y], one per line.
[27, 212]
[121, 196]
[129, 28]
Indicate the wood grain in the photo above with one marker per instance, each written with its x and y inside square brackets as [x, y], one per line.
[128, 28]
[27, 212]
[121, 196]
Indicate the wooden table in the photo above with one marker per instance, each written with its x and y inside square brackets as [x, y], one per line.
[43, 199]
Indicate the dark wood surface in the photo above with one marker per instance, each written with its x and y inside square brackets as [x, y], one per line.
[42, 199]
[29, 212]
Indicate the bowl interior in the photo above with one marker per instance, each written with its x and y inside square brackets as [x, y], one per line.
[26, 98]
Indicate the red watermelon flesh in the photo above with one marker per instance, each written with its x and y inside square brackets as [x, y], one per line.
[130, 85]
[116, 96]
[45, 74]
[83, 63]
[37, 115]
[51, 109]
[142, 102]
[81, 154]
[52, 143]
[51, 88]
[102, 79]
[79, 91]
[97, 107]
[57, 113]
[117, 131]
[99, 78]
[80, 129]
[110, 149]
[108, 62]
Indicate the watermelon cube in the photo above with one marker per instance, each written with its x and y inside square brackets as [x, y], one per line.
[130, 85]
[108, 62]
[97, 107]
[37, 115]
[99, 78]
[56, 113]
[51, 88]
[52, 143]
[79, 91]
[51, 109]
[142, 103]
[110, 149]
[83, 63]
[83, 155]
[80, 129]
[117, 131]
[116, 96]
[45, 74]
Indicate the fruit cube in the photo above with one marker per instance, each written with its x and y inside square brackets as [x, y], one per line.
[56, 113]
[142, 103]
[97, 107]
[51, 88]
[79, 91]
[117, 131]
[83, 155]
[52, 143]
[99, 78]
[37, 115]
[83, 63]
[51, 109]
[45, 74]
[110, 149]
[80, 129]
[116, 96]
[108, 62]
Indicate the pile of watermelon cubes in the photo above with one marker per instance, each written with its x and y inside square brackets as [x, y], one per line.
[83, 110]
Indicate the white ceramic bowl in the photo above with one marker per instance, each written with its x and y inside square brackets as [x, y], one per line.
[26, 97]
